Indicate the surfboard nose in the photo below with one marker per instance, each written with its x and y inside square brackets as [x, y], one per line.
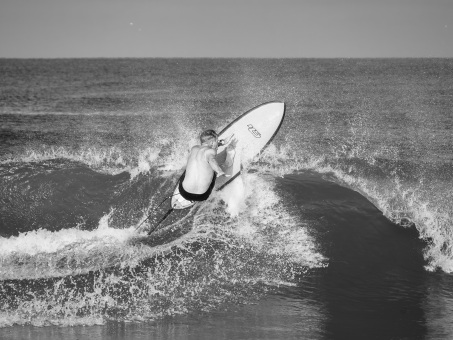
[277, 107]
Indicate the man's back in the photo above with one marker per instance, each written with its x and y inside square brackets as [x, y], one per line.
[199, 173]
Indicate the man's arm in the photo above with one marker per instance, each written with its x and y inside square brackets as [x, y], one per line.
[210, 157]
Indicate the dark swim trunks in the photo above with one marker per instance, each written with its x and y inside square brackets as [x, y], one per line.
[196, 197]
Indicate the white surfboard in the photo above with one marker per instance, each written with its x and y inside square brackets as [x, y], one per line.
[254, 130]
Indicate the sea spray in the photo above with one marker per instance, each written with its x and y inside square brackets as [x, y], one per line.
[234, 196]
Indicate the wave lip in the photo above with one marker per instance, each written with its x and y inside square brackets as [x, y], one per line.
[409, 194]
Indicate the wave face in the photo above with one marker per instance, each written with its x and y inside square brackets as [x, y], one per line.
[90, 148]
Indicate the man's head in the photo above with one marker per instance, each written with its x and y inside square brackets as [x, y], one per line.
[208, 136]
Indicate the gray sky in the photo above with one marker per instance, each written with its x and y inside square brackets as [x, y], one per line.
[226, 28]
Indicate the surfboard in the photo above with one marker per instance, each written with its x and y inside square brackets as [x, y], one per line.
[254, 131]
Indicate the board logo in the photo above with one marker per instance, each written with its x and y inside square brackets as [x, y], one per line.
[254, 131]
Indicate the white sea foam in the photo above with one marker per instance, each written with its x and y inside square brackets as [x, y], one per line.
[110, 159]
[234, 196]
[43, 253]
[260, 219]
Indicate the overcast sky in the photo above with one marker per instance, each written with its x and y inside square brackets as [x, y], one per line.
[226, 28]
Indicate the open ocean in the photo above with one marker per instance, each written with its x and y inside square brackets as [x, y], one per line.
[342, 229]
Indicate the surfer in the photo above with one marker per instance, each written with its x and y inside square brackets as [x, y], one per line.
[198, 180]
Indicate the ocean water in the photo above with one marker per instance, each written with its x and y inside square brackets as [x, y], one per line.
[341, 229]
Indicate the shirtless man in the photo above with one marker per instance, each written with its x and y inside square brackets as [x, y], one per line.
[198, 180]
